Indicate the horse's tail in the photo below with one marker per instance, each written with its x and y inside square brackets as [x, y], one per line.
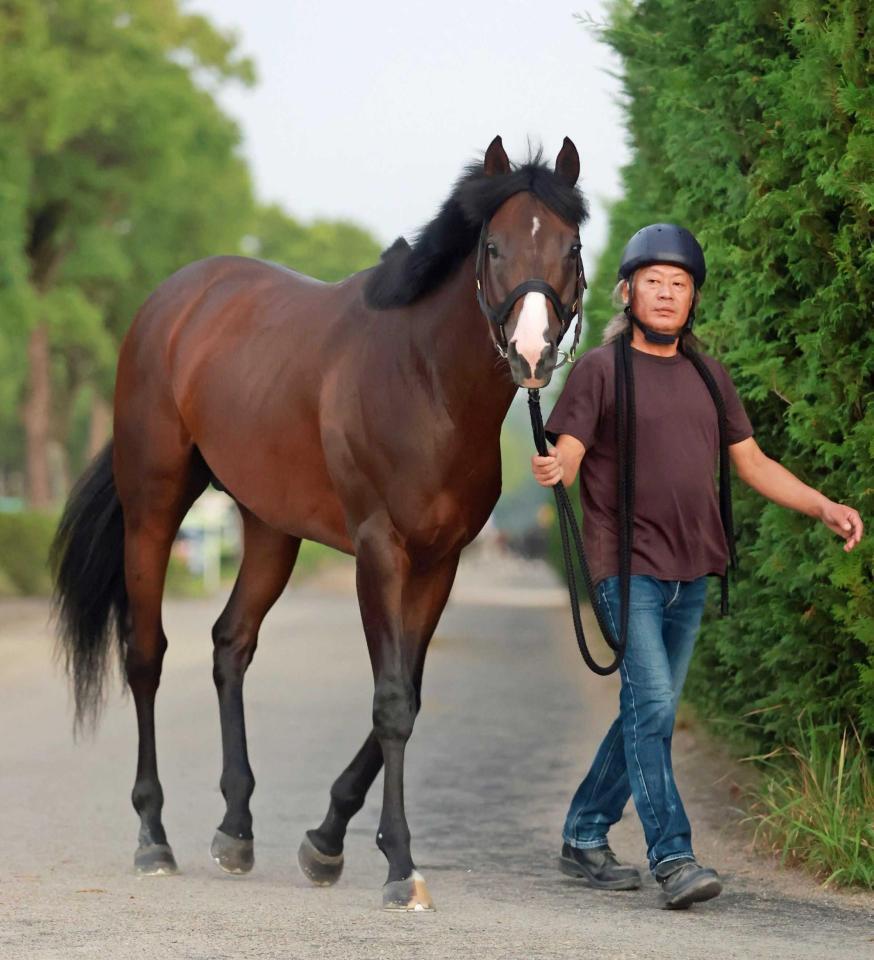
[90, 598]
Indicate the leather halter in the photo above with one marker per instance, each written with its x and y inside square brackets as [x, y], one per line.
[498, 316]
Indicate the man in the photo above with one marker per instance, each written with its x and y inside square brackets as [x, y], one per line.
[678, 540]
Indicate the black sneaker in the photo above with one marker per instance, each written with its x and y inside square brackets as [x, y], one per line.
[685, 882]
[598, 868]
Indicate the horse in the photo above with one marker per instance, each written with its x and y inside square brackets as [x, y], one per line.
[364, 415]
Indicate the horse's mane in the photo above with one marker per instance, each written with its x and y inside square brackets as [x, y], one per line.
[406, 273]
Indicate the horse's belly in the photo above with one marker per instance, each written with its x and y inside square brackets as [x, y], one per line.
[283, 482]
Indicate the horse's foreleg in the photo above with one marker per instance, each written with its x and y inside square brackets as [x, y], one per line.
[400, 608]
[321, 853]
[268, 559]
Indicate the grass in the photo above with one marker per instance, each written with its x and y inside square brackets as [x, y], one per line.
[815, 805]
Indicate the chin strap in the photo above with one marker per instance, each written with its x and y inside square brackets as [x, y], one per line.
[653, 336]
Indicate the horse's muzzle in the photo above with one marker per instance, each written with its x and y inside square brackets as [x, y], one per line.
[520, 368]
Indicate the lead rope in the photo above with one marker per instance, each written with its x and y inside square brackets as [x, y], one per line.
[725, 509]
[567, 521]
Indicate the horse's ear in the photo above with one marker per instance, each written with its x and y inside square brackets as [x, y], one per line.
[567, 163]
[496, 160]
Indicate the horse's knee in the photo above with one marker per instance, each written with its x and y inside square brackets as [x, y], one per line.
[394, 709]
[234, 644]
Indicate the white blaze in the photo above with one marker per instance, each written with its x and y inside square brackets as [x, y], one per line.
[535, 226]
[530, 333]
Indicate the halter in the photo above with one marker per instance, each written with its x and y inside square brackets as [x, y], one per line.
[498, 316]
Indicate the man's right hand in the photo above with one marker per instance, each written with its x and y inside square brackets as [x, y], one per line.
[562, 463]
[548, 470]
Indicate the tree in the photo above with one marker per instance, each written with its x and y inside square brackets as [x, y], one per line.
[116, 165]
[326, 249]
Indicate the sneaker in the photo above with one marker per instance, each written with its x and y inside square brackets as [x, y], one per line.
[598, 868]
[685, 882]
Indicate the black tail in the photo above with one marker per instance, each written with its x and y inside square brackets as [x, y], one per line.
[90, 597]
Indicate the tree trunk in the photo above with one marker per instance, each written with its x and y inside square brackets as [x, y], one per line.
[37, 418]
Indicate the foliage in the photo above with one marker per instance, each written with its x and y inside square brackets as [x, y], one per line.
[326, 249]
[816, 808]
[25, 539]
[112, 152]
[117, 167]
[752, 125]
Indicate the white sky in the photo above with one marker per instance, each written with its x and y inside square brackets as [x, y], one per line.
[369, 110]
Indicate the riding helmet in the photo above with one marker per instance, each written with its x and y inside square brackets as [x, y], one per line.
[664, 243]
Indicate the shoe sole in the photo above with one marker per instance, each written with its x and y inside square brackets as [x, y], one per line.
[573, 869]
[706, 889]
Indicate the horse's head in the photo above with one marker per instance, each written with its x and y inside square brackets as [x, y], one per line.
[529, 271]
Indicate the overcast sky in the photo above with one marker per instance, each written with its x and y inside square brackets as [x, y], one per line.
[369, 110]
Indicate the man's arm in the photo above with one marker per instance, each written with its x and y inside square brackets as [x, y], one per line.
[562, 464]
[775, 482]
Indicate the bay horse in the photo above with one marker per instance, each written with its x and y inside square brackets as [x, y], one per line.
[364, 415]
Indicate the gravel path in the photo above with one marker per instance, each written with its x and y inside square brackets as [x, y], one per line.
[510, 720]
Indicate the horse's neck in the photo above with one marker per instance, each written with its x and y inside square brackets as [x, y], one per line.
[469, 378]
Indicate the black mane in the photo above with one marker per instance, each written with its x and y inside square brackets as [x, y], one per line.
[407, 273]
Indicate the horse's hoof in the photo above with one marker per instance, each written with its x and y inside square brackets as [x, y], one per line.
[409, 894]
[155, 860]
[232, 854]
[320, 868]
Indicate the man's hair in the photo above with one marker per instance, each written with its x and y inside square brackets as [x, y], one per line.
[619, 323]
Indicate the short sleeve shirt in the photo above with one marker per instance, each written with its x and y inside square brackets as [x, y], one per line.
[678, 532]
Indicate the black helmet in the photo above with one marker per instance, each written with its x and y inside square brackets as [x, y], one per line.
[664, 243]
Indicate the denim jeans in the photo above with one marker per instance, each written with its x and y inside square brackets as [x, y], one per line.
[634, 758]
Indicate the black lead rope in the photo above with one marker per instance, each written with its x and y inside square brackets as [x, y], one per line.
[569, 528]
[725, 511]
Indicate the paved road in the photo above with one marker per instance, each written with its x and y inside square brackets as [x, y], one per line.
[509, 721]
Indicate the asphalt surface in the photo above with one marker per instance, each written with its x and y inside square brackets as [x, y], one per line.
[510, 721]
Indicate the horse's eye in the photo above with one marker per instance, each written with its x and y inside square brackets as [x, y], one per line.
[575, 249]
[492, 250]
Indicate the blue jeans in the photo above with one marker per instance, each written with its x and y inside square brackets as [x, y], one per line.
[635, 757]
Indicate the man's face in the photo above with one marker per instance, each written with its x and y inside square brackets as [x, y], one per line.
[662, 295]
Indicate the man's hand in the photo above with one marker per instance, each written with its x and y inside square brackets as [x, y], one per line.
[562, 463]
[844, 521]
[548, 471]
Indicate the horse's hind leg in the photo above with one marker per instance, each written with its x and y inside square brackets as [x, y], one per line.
[156, 492]
[268, 559]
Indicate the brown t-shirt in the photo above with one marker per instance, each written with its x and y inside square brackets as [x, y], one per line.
[677, 529]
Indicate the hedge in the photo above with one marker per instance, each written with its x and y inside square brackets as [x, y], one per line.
[753, 124]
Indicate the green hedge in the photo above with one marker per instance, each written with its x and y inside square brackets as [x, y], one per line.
[753, 124]
[25, 539]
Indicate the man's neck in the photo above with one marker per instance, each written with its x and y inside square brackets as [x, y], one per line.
[639, 342]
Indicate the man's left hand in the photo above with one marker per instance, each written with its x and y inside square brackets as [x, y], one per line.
[844, 521]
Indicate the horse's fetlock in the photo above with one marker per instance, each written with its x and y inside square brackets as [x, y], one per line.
[391, 840]
[237, 784]
[147, 796]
